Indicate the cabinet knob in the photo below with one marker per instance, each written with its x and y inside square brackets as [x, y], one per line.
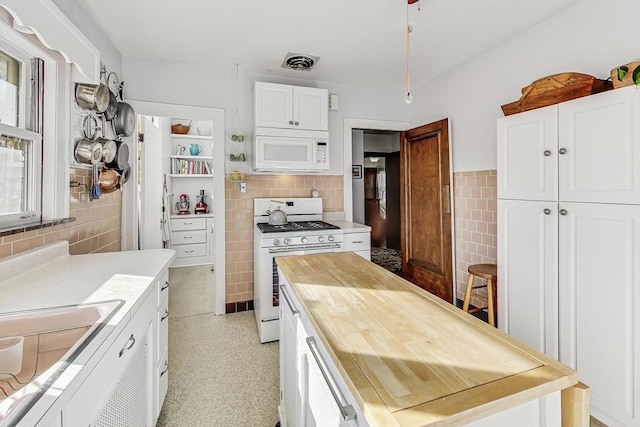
[296, 123]
[563, 212]
[547, 153]
[562, 151]
[290, 122]
[547, 211]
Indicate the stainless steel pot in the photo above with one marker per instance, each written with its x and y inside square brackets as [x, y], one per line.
[125, 121]
[92, 97]
[125, 174]
[88, 151]
[121, 159]
[277, 217]
[109, 149]
[112, 108]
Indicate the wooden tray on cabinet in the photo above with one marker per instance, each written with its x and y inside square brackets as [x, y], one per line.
[555, 89]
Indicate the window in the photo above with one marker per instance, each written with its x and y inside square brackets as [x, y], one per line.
[20, 141]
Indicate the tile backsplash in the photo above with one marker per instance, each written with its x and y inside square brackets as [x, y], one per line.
[96, 227]
[475, 197]
[239, 220]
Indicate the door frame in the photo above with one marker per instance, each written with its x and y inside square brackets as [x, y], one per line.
[130, 215]
[349, 125]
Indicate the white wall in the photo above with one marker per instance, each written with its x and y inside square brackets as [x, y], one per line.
[198, 85]
[592, 37]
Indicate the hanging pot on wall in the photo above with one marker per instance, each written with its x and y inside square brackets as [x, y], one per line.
[121, 159]
[92, 97]
[109, 149]
[109, 181]
[125, 174]
[125, 121]
[88, 151]
[112, 108]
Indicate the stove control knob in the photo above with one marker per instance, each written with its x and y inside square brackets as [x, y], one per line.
[331, 238]
[320, 238]
[276, 242]
[304, 240]
[287, 241]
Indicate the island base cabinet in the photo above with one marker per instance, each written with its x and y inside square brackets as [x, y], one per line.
[119, 389]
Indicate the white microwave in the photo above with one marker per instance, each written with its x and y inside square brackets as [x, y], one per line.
[291, 150]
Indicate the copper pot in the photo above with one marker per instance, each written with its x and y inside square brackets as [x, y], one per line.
[109, 181]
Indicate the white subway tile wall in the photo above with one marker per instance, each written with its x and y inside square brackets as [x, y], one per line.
[475, 225]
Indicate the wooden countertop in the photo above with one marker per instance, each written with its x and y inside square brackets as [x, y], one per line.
[410, 358]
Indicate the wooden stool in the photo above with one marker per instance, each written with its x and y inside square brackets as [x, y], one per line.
[489, 272]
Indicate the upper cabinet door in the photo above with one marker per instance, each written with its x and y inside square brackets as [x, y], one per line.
[273, 105]
[310, 108]
[599, 146]
[291, 107]
[528, 155]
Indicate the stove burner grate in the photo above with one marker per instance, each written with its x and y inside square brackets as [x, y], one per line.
[296, 226]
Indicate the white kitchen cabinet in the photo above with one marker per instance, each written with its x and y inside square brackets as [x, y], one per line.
[161, 353]
[291, 107]
[119, 389]
[528, 155]
[192, 239]
[358, 242]
[599, 324]
[528, 277]
[581, 237]
[599, 140]
[290, 407]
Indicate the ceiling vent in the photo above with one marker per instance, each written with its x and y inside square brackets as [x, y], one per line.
[299, 61]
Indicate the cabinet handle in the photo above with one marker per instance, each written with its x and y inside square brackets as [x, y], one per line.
[188, 252]
[187, 223]
[294, 310]
[127, 346]
[166, 314]
[187, 237]
[547, 211]
[562, 151]
[358, 241]
[563, 212]
[547, 153]
[290, 122]
[165, 286]
[166, 368]
[347, 411]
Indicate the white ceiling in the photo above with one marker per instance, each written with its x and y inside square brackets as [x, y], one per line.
[359, 42]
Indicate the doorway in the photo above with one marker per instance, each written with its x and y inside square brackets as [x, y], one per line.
[152, 166]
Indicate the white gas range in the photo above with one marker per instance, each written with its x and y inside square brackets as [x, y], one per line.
[305, 233]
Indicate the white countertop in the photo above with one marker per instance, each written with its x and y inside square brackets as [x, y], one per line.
[350, 227]
[50, 277]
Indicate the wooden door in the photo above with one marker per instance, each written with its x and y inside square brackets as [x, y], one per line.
[426, 208]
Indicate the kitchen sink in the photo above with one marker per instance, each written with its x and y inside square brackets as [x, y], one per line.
[37, 346]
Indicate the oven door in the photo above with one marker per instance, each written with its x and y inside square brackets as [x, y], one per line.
[267, 296]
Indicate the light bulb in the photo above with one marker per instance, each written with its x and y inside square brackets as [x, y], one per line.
[408, 98]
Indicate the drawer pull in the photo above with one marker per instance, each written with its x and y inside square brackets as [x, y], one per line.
[187, 223]
[188, 252]
[166, 314]
[358, 242]
[166, 368]
[294, 310]
[187, 237]
[127, 346]
[165, 286]
[347, 411]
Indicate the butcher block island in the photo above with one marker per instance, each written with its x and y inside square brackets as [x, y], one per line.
[360, 346]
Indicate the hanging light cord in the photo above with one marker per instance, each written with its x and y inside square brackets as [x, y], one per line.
[408, 98]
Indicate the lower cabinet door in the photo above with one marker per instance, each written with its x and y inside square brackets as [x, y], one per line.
[325, 405]
[163, 382]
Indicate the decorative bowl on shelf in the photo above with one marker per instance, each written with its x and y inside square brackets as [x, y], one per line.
[180, 129]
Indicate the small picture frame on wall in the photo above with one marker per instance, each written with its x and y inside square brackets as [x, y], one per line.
[356, 171]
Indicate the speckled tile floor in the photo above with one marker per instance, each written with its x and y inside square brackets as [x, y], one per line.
[220, 375]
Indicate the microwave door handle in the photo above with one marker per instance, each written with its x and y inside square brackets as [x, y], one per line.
[314, 152]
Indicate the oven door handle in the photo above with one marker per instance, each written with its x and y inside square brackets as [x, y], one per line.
[302, 248]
